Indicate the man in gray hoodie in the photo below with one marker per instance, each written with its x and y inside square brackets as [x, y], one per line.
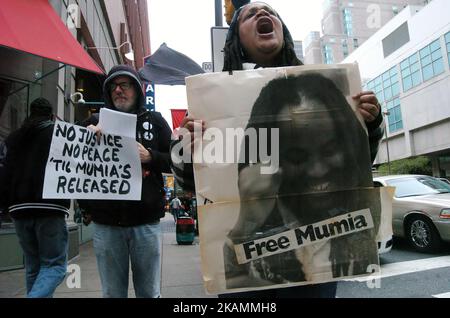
[127, 231]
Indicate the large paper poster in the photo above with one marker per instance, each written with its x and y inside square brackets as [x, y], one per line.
[81, 166]
[284, 172]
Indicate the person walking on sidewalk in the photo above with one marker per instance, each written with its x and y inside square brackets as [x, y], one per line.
[175, 206]
[127, 231]
[40, 223]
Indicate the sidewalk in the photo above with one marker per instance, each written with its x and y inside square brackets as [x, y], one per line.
[181, 274]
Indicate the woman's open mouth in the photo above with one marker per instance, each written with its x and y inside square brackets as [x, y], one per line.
[264, 26]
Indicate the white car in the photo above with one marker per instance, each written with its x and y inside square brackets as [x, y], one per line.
[420, 210]
[385, 245]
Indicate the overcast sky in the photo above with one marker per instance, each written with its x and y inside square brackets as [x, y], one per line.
[186, 27]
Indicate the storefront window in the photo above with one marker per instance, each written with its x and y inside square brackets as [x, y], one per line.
[13, 106]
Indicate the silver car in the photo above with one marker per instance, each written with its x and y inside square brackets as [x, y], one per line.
[421, 209]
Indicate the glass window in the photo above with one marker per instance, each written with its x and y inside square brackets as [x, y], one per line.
[436, 45]
[328, 54]
[426, 60]
[387, 88]
[404, 64]
[395, 89]
[393, 72]
[348, 24]
[388, 93]
[425, 51]
[436, 55]
[410, 72]
[415, 67]
[407, 83]
[427, 72]
[406, 72]
[378, 80]
[395, 121]
[431, 60]
[438, 67]
[447, 41]
[416, 79]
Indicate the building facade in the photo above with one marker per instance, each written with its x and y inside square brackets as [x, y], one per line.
[406, 63]
[298, 47]
[346, 24]
[99, 26]
[107, 31]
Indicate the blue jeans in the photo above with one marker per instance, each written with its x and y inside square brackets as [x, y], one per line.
[44, 241]
[116, 246]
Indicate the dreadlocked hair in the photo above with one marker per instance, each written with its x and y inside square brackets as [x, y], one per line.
[234, 54]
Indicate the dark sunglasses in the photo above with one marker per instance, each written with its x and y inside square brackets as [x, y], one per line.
[123, 86]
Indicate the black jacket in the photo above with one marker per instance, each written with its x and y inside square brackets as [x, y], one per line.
[153, 132]
[23, 160]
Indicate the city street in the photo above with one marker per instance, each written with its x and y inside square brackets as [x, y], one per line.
[405, 274]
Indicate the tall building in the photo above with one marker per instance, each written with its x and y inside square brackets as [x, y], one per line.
[406, 63]
[313, 51]
[298, 47]
[346, 24]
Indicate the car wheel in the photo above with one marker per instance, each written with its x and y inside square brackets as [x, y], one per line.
[422, 234]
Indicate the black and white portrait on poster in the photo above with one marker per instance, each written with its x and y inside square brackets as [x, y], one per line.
[297, 204]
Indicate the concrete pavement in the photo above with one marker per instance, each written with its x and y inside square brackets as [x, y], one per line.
[181, 274]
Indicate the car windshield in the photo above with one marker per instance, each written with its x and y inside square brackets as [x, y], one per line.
[408, 187]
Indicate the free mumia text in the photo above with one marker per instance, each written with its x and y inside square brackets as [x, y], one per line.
[304, 235]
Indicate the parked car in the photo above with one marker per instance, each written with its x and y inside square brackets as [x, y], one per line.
[445, 180]
[420, 211]
[385, 245]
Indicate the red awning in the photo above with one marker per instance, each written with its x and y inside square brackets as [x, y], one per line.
[33, 26]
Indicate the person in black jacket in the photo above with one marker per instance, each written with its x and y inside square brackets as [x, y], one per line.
[130, 230]
[40, 223]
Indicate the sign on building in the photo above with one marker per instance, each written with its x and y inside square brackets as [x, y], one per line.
[207, 67]
[149, 90]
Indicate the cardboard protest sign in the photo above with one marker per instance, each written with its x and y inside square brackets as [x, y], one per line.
[284, 169]
[82, 167]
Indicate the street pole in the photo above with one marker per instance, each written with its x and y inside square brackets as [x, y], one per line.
[387, 113]
[219, 17]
